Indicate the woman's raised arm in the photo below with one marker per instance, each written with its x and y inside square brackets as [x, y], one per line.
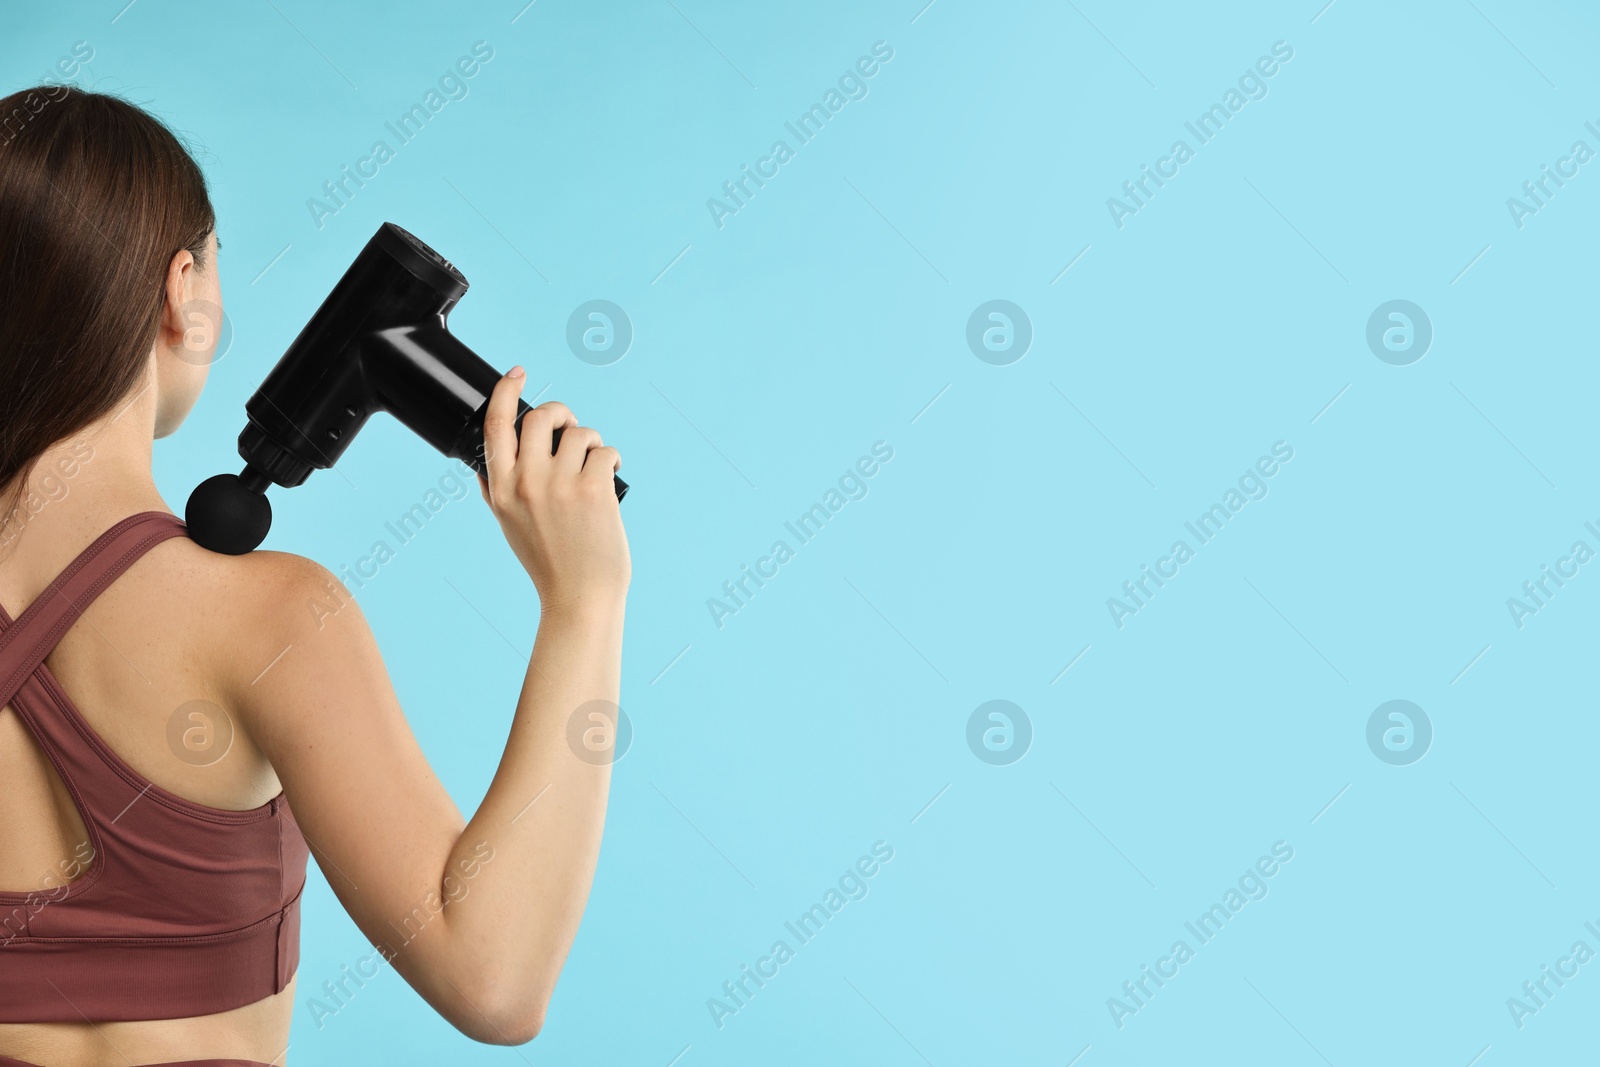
[477, 915]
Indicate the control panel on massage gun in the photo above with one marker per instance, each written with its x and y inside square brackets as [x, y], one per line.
[379, 342]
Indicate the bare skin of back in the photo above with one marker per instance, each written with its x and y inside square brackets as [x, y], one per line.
[315, 714]
[138, 653]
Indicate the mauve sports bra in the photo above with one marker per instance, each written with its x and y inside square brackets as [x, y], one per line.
[184, 909]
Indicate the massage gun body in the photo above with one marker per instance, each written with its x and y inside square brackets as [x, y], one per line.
[379, 342]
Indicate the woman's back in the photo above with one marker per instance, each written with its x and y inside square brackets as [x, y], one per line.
[147, 667]
[151, 642]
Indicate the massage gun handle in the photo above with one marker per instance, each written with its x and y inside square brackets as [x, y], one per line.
[440, 388]
[430, 362]
[555, 442]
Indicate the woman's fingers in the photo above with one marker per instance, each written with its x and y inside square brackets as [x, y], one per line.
[510, 457]
[601, 464]
[539, 424]
[576, 441]
[499, 440]
[538, 427]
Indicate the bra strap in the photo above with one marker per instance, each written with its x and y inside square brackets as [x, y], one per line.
[29, 639]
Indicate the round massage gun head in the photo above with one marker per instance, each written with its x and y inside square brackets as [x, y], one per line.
[230, 513]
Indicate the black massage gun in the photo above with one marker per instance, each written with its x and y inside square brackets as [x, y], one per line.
[379, 342]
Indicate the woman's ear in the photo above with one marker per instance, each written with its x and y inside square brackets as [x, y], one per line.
[178, 290]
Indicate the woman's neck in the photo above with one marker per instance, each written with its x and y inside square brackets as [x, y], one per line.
[81, 486]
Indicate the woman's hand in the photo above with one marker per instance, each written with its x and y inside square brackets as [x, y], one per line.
[558, 512]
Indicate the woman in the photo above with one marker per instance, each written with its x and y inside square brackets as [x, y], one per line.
[180, 729]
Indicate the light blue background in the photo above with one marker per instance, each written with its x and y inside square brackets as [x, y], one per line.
[1223, 317]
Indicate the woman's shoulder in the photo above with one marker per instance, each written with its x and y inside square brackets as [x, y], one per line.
[277, 635]
[284, 571]
[261, 579]
[258, 603]
[299, 590]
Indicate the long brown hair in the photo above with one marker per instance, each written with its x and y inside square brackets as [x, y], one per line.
[96, 197]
